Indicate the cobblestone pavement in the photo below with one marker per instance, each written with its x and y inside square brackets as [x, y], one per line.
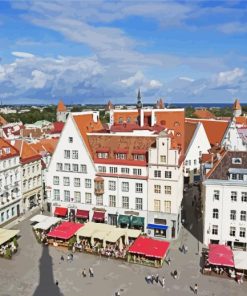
[34, 271]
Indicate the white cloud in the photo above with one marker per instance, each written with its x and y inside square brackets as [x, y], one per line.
[233, 27]
[21, 54]
[155, 84]
[186, 78]
[135, 80]
[228, 77]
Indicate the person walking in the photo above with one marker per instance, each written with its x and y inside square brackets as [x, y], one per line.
[195, 289]
[84, 274]
[157, 278]
[62, 258]
[153, 278]
[163, 282]
[169, 261]
[185, 249]
[56, 283]
[91, 272]
[175, 274]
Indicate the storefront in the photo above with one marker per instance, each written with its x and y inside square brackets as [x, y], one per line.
[124, 221]
[137, 222]
[158, 230]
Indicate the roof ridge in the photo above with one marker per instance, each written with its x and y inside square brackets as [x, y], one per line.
[216, 165]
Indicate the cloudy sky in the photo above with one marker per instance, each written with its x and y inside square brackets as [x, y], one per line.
[92, 51]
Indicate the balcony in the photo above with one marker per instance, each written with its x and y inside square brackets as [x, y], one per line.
[99, 186]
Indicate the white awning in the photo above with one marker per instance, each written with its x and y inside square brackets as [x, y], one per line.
[47, 223]
[7, 234]
[38, 218]
[240, 259]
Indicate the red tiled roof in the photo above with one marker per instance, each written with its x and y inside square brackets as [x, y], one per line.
[241, 120]
[61, 107]
[45, 145]
[27, 153]
[2, 121]
[12, 152]
[57, 127]
[204, 113]
[190, 128]
[215, 129]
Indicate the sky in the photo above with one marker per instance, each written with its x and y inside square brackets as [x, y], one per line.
[95, 51]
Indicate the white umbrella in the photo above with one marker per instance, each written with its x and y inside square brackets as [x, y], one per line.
[126, 241]
[120, 244]
[92, 241]
[104, 243]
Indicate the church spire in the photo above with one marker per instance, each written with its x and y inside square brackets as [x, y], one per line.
[139, 100]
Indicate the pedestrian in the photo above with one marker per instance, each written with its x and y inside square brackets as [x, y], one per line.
[62, 258]
[185, 249]
[84, 274]
[71, 257]
[157, 278]
[56, 283]
[168, 261]
[175, 274]
[163, 282]
[152, 278]
[117, 293]
[195, 289]
[91, 272]
[149, 279]
[73, 249]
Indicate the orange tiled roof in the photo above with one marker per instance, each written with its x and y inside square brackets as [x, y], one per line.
[27, 153]
[204, 113]
[61, 107]
[190, 128]
[86, 125]
[2, 121]
[236, 105]
[241, 120]
[5, 144]
[45, 145]
[215, 129]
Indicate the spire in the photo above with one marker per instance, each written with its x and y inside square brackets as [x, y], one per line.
[139, 100]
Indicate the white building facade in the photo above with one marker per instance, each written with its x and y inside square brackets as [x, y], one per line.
[224, 196]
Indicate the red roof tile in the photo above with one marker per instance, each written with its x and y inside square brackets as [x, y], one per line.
[12, 150]
[190, 128]
[2, 121]
[27, 153]
[204, 113]
[61, 107]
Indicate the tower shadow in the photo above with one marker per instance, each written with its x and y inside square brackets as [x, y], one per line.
[47, 285]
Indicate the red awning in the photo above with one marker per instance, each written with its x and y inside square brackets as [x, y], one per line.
[149, 247]
[99, 216]
[82, 214]
[65, 230]
[62, 212]
[220, 255]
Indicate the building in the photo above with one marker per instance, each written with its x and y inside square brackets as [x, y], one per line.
[62, 112]
[2, 121]
[237, 109]
[31, 175]
[132, 174]
[196, 144]
[204, 114]
[10, 182]
[224, 199]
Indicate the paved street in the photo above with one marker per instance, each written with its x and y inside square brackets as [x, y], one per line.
[34, 270]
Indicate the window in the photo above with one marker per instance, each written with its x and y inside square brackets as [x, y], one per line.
[215, 229]
[99, 200]
[168, 190]
[139, 157]
[232, 231]
[157, 189]
[139, 188]
[102, 169]
[13, 211]
[66, 181]
[70, 139]
[236, 160]
[120, 120]
[233, 196]
[167, 205]
[125, 202]
[77, 195]
[168, 174]
[112, 185]
[157, 174]
[77, 182]
[244, 196]
[234, 176]
[113, 170]
[216, 194]
[125, 170]
[67, 154]
[137, 172]
[102, 155]
[240, 176]
[120, 156]
[242, 231]
[112, 201]
[138, 203]
[67, 195]
[88, 183]
[56, 194]
[33, 169]
[75, 167]
[2, 217]
[157, 205]
[162, 158]
[233, 215]
[55, 180]
[243, 215]
[125, 186]
[83, 168]
[215, 213]
[59, 167]
[67, 167]
[75, 154]
[88, 198]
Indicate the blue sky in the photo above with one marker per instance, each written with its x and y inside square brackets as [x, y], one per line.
[93, 51]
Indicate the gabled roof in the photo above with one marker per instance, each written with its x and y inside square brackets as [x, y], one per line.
[27, 153]
[215, 129]
[12, 152]
[224, 163]
[190, 128]
[57, 127]
[241, 120]
[204, 113]
[2, 121]
[45, 146]
[61, 107]
[236, 105]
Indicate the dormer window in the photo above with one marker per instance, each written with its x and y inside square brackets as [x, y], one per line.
[139, 157]
[128, 119]
[176, 123]
[120, 120]
[121, 156]
[7, 150]
[236, 160]
[102, 152]
[102, 155]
